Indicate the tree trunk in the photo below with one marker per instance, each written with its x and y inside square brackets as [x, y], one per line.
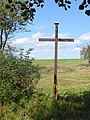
[6, 38]
[1, 38]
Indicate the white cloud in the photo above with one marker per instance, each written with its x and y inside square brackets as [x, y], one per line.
[85, 36]
[69, 44]
[64, 35]
[34, 38]
[46, 47]
[43, 44]
[37, 35]
[21, 41]
[66, 44]
[60, 44]
[77, 42]
[45, 50]
[77, 49]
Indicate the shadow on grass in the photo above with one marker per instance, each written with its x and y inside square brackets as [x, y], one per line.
[69, 106]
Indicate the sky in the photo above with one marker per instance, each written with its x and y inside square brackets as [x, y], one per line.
[72, 24]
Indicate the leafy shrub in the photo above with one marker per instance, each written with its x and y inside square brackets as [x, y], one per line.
[18, 77]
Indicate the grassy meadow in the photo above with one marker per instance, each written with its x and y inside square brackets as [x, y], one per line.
[73, 75]
[73, 88]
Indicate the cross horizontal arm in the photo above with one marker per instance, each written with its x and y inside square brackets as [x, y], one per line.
[59, 39]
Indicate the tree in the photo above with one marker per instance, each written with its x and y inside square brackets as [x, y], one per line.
[85, 52]
[14, 15]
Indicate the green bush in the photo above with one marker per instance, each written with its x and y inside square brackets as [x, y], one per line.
[18, 77]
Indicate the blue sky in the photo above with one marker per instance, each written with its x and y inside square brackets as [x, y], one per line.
[72, 24]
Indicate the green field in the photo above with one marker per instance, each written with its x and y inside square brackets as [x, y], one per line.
[73, 75]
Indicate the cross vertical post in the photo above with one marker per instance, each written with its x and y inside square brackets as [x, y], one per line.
[55, 62]
[56, 40]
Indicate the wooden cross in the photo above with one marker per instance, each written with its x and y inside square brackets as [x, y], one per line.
[56, 39]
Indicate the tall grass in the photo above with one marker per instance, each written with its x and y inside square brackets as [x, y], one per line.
[42, 107]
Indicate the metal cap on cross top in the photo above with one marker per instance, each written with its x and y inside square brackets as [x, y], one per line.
[56, 23]
[56, 39]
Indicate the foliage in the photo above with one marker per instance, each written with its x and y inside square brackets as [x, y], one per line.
[85, 4]
[85, 51]
[18, 77]
[18, 11]
[69, 106]
[66, 4]
[14, 15]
